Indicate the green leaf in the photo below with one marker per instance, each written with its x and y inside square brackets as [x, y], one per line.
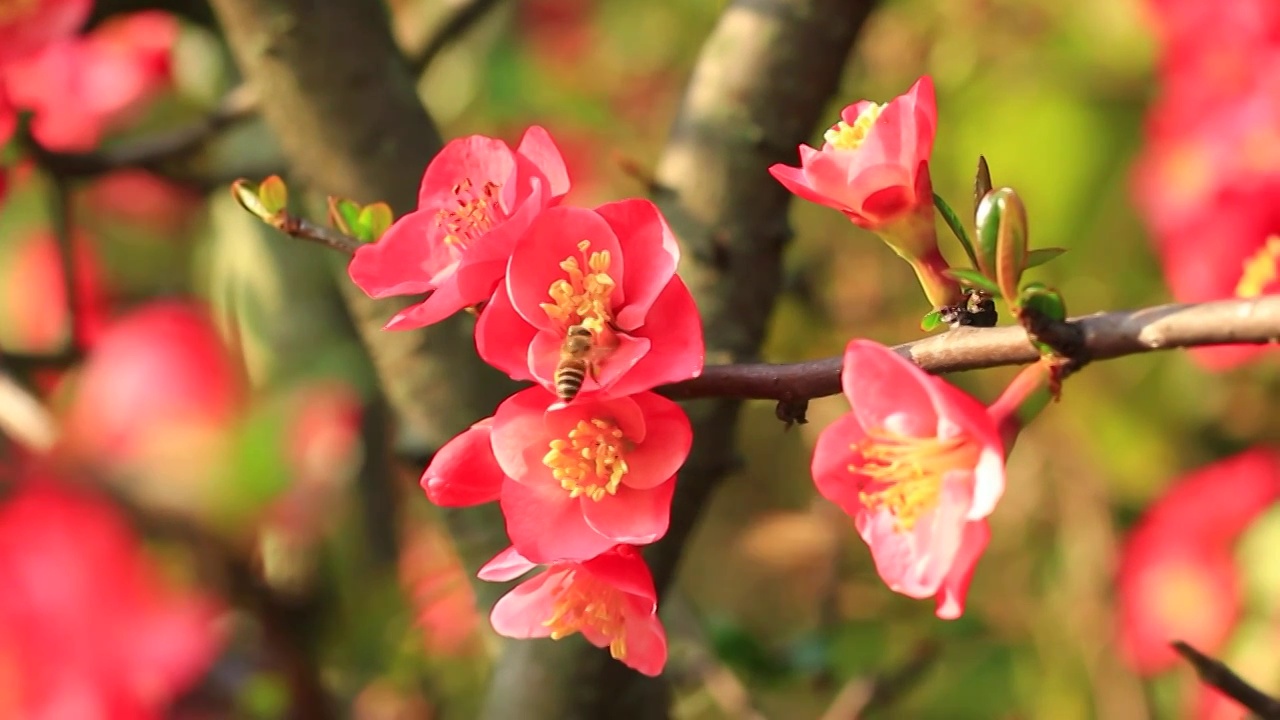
[987, 232]
[981, 183]
[344, 214]
[957, 227]
[930, 322]
[375, 218]
[274, 194]
[248, 199]
[973, 278]
[1038, 298]
[1011, 242]
[1036, 258]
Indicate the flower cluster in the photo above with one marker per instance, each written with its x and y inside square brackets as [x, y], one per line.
[1209, 175]
[586, 303]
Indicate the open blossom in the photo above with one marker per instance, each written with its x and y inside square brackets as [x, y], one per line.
[1177, 577]
[874, 168]
[574, 480]
[88, 627]
[476, 199]
[610, 599]
[610, 270]
[81, 87]
[919, 465]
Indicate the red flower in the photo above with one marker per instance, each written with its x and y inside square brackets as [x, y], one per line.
[159, 378]
[88, 628]
[81, 87]
[27, 26]
[33, 295]
[476, 199]
[1177, 578]
[612, 270]
[572, 481]
[610, 599]
[438, 587]
[918, 465]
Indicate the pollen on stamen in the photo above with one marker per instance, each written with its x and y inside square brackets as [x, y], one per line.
[905, 473]
[591, 461]
[582, 601]
[474, 214]
[844, 136]
[583, 297]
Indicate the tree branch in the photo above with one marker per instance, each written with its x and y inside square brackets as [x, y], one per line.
[463, 18]
[153, 152]
[1106, 335]
[1217, 675]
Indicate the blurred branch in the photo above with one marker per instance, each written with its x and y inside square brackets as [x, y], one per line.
[463, 18]
[304, 229]
[1106, 335]
[862, 694]
[153, 152]
[1217, 675]
[24, 418]
[764, 75]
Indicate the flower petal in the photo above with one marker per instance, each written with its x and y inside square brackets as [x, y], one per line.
[666, 443]
[541, 150]
[651, 251]
[676, 349]
[955, 588]
[916, 562]
[881, 384]
[403, 261]
[464, 471]
[546, 525]
[503, 337]
[519, 424]
[553, 237]
[506, 565]
[624, 568]
[633, 516]
[476, 158]
[832, 456]
[522, 612]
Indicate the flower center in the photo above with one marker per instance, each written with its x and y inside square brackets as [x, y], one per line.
[843, 136]
[583, 297]
[591, 461]
[1259, 274]
[582, 601]
[905, 473]
[474, 213]
[12, 11]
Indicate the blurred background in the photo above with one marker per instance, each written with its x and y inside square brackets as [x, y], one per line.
[778, 610]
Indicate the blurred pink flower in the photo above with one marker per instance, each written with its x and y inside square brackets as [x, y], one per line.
[89, 629]
[27, 26]
[33, 296]
[1177, 577]
[81, 87]
[440, 591]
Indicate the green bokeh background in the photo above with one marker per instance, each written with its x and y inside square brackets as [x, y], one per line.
[776, 587]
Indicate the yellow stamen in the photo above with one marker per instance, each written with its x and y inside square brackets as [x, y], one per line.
[906, 472]
[583, 297]
[476, 214]
[843, 136]
[591, 461]
[1260, 270]
[582, 601]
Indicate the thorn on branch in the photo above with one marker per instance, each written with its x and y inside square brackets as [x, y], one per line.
[1217, 675]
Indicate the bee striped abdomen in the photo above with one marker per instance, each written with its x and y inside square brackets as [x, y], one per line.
[570, 375]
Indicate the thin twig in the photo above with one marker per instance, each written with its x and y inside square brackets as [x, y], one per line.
[862, 694]
[24, 418]
[1217, 675]
[1253, 321]
[464, 17]
[154, 151]
[304, 229]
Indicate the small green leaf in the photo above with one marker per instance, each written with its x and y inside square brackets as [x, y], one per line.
[1011, 243]
[248, 199]
[973, 278]
[274, 194]
[987, 233]
[1038, 257]
[344, 214]
[981, 183]
[930, 322]
[1038, 298]
[374, 220]
[957, 227]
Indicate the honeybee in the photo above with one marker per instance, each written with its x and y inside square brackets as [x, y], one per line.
[575, 362]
